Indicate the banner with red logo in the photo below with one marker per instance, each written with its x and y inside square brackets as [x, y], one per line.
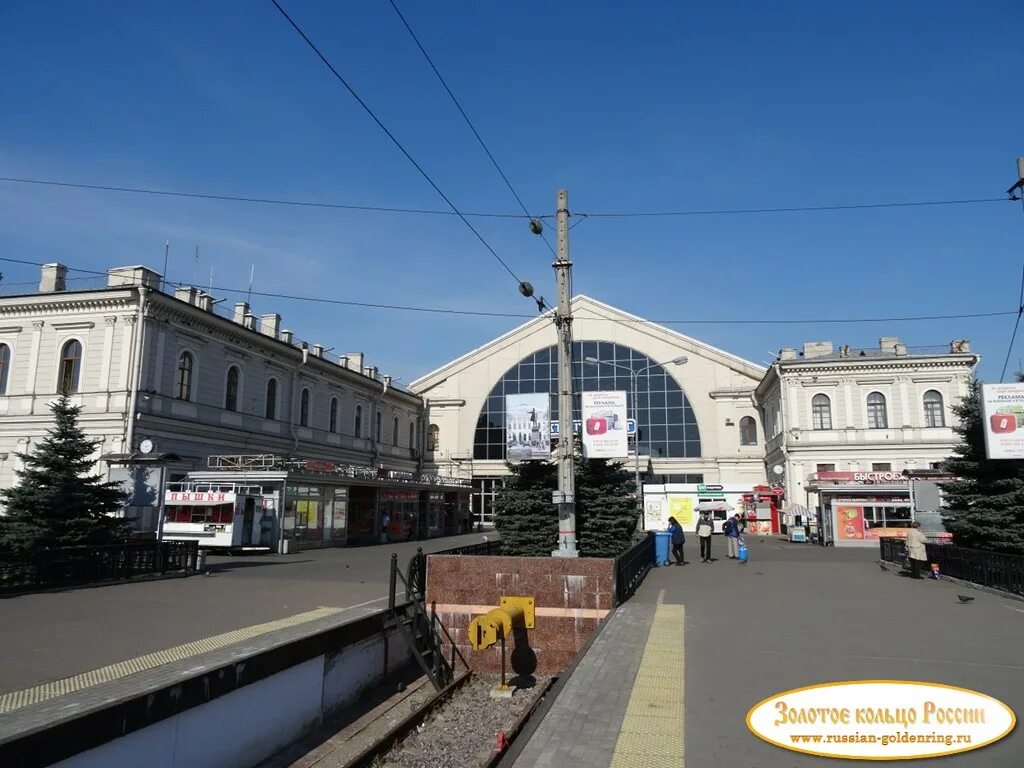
[604, 425]
[1004, 420]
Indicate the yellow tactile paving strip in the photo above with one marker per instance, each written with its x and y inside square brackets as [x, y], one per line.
[10, 702]
[652, 731]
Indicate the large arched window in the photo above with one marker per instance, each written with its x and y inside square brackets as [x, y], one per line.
[878, 418]
[748, 431]
[70, 366]
[394, 433]
[332, 425]
[934, 414]
[185, 365]
[821, 412]
[304, 408]
[231, 389]
[433, 437]
[359, 421]
[377, 433]
[271, 407]
[667, 424]
[5, 367]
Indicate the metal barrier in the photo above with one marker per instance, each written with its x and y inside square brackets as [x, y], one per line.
[73, 566]
[978, 566]
[631, 568]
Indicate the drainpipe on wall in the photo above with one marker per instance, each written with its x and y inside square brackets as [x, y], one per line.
[133, 398]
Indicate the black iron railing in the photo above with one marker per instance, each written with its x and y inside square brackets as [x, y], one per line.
[73, 566]
[987, 569]
[631, 568]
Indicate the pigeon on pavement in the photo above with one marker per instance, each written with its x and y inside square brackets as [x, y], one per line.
[964, 598]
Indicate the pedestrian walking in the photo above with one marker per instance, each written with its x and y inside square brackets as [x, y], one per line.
[731, 529]
[915, 549]
[678, 537]
[705, 529]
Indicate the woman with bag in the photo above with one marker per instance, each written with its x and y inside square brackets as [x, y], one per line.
[705, 529]
[677, 539]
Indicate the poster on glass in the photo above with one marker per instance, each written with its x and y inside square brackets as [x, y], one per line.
[1004, 420]
[604, 420]
[528, 427]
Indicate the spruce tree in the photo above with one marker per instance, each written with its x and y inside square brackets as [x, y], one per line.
[606, 507]
[57, 502]
[984, 505]
[524, 514]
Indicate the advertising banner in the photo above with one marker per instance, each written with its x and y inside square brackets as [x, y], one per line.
[655, 518]
[604, 425]
[850, 523]
[681, 508]
[1003, 406]
[528, 427]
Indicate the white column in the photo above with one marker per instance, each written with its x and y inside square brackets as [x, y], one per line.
[108, 351]
[908, 413]
[848, 397]
[33, 363]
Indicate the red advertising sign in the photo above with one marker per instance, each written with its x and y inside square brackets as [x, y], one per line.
[861, 477]
[850, 523]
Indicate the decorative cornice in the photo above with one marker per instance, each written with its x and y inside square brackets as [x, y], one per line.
[82, 325]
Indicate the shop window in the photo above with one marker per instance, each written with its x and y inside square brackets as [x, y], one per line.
[304, 408]
[332, 425]
[878, 418]
[394, 433]
[821, 412]
[359, 421]
[5, 365]
[185, 365]
[748, 431]
[271, 406]
[231, 389]
[433, 437]
[934, 415]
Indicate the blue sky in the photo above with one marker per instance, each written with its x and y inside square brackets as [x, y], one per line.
[650, 106]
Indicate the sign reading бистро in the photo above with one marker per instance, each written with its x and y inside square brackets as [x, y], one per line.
[1003, 417]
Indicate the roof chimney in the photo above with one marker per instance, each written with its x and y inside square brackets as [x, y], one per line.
[343, 361]
[787, 353]
[53, 278]
[318, 350]
[270, 325]
[241, 310]
[960, 345]
[286, 336]
[355, 361]
[249, 321]
[137, 275]
[817, 349]
[204, 301]
[185, 293]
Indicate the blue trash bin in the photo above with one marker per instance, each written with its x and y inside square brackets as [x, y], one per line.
[662, 547]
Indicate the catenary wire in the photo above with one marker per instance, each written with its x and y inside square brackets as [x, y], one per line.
[394, 140]
[465, 117]
[1016, 325]
[796, 209]
[624, 321]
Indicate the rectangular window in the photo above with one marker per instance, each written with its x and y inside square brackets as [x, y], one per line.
[881, 466]
[826, 468]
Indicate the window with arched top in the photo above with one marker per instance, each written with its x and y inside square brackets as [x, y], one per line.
[70, 367]
[332, 425]
[934, 413]
[304, 408]
[359, 421]
[821, 412]
[394, 433]
[5, 367]
[185, 365]
[412, 435]
[878, 417]
[748, 431]
[271, 405]
[433, 437]
[231, 389]
[378, 432]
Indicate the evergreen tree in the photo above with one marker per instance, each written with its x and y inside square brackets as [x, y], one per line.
[984, 505]
[524, 514]
[606, 507]
[56, 502]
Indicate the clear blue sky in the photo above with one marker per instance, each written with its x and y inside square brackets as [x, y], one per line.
[646, 106]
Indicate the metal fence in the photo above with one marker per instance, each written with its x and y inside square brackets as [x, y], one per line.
[978, 566]
[632, 567]
[73, 566]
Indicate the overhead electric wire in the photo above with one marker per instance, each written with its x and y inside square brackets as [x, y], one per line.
[1016, 325]
[394, 140]
[469, 122]
[794, 209]
[485, 313]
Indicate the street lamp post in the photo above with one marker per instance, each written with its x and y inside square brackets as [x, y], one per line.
[635, 375]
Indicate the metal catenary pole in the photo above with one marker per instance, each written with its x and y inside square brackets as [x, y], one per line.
[565, 497]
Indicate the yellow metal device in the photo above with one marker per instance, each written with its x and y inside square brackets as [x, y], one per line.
[498, 623]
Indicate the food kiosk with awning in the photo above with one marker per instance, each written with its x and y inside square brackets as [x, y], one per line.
[859, 508]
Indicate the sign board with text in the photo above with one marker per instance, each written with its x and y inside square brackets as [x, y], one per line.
[1003, 418]
[604, 422]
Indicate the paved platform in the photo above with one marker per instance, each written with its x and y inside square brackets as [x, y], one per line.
[62, 641]
[670, 678]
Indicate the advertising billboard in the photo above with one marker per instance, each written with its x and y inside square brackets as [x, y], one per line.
[528, 427]
[850, 523]
[604, 425]
[1003, 409]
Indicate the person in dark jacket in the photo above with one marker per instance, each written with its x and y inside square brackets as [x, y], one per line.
[678, 537]
[731, 529]
[705, 529]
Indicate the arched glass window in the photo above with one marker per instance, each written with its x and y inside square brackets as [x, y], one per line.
[271, 408]
[304, 408]
[333, 423]
[748, 431]
[5, 367]
[433, 437]
[877, 416]
[667, 424]
[377, 433]
[394, 433]
[359, 421]
[412, 435]
[231, 389]
[821, 412]
[934, 414]
[185, 365]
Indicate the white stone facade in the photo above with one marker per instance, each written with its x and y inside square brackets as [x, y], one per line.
[887, 409]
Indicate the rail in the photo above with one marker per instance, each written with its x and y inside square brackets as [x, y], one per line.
[75, 566]
[995, 570]
[631, 568]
